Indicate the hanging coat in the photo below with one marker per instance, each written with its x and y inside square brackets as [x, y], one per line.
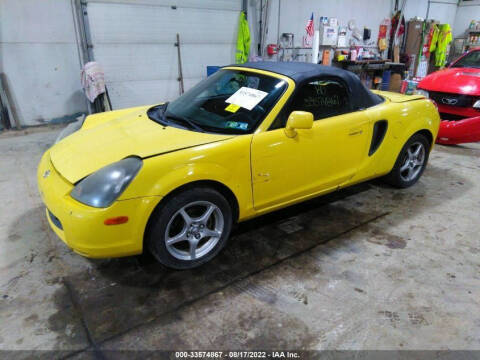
[444, 38]
[243, 40]
[434, 40]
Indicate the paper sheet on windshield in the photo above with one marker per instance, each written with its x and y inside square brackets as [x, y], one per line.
[246, 97]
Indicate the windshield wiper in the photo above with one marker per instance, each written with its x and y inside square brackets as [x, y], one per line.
[183, 120]
[157, 114]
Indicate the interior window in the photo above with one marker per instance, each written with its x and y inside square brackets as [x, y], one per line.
[323, 98]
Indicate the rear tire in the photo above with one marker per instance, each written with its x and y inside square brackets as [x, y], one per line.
[190, 228]
[410, 163]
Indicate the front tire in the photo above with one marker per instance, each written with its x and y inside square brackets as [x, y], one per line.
[411, 162]
[190, 228]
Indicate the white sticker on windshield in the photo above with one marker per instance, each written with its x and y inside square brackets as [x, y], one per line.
[246, 97]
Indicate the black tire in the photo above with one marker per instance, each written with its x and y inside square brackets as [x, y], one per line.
[396, 177]
[168, 213]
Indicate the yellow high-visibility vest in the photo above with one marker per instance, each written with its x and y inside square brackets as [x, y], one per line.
[243, 40]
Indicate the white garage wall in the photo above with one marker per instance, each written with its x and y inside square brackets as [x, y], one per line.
[294, 15]
[441, 10]
[38, 54]
[368, 13]
[466, 12]
[38, 50]
[134, 42]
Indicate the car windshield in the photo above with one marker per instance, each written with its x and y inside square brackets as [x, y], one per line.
[471, 60]
[228, 102]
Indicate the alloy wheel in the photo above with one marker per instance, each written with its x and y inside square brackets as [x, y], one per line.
[413, 162]
[194, 230]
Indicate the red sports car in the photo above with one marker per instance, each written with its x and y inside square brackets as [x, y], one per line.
[456, 91]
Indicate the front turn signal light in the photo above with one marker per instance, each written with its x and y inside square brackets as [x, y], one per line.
[116, 220]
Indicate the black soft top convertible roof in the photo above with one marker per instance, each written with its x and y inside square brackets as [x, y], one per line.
[301, 71]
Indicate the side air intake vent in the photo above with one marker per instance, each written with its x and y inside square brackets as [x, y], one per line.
[379, 131]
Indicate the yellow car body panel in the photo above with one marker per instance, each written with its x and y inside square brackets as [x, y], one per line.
[265, 170]
[226, 163]
[405, 118]
[83, 226]
[113, 140]
[315, 161]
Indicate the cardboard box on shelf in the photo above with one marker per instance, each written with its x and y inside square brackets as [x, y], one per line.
[396, 54]
[414, 37]
[328, 35]
[395, 83]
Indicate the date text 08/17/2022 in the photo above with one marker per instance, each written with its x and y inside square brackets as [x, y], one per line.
[237, 354]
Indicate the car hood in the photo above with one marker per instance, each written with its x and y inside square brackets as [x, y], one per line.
[134, 134]
[464, 81]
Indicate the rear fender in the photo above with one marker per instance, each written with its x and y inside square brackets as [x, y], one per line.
[408, 119]
[420, 116]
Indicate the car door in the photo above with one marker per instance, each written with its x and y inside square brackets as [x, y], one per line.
[316, 160]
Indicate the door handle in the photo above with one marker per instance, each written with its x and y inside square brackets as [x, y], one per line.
[354, 132]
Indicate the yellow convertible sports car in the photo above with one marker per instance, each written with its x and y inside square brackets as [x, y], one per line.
[173, 178]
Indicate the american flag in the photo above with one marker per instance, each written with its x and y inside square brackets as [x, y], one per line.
[309, 28]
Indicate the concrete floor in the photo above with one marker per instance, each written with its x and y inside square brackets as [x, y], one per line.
[369, 267]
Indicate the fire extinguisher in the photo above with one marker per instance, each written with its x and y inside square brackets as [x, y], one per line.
[272, 49]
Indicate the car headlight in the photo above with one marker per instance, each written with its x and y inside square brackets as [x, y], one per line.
[422, 92]
[70, 129]
[104, 186]
[477, 105]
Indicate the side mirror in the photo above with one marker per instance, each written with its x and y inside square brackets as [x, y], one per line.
[298, 120]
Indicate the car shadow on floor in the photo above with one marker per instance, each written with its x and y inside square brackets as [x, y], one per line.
[271, 229]
[116, 295]
[129, 291]
[147, 290]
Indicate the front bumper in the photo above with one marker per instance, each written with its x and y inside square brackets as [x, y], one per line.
[459, 132]
[459, 111]
[82, 227]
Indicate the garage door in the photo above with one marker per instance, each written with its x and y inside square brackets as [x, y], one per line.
[135, 43]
